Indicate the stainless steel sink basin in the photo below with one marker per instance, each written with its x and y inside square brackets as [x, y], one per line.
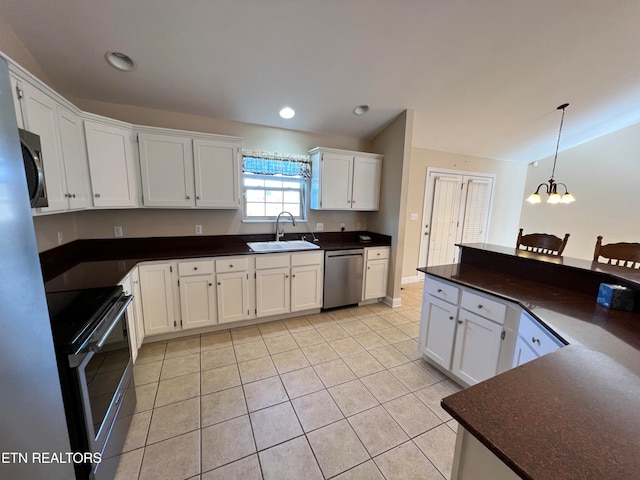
[282, 246]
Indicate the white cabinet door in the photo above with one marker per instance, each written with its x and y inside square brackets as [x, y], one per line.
[198, 301]
[137, 303]
[306, 287]
[16, 93]
[523, 353]
[132, 332]
[336, 181]
[156, 287]
[367, 173]
[273, 291]
[438, 330]
[217, 173]
[477, 348]
[75, 159]
[233, 296]
[41, 118]
[110, 155]
[375, 278]
[166, 167]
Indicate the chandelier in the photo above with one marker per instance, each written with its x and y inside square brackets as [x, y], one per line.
[551, 187]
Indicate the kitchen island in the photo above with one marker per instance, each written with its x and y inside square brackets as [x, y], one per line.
[571, 413]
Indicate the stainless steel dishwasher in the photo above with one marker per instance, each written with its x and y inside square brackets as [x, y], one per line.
[342, 277]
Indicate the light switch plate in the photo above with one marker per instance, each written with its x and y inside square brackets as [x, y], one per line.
[414, 216]
[117, 231]
[198, 229]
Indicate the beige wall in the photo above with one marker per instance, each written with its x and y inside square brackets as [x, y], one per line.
[508, 189]
[11, 46]
[394, 142]
[603, 175]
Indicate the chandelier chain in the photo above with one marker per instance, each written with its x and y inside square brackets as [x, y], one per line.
[561, 107]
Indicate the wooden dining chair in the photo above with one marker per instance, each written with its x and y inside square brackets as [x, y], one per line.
[623, 254]
[542, 243]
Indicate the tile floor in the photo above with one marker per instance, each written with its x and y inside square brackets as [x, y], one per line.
[341, 395]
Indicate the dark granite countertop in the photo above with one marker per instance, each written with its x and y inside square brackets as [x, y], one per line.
[105, 262]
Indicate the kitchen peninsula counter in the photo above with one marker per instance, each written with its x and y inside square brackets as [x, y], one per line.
[574, 412]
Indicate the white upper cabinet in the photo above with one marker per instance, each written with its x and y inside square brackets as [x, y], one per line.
[75, 159]
[217, 173]
[344, 180]
[111, 163]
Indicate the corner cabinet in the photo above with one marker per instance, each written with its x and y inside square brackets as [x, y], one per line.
[158, 297]
[345, 180]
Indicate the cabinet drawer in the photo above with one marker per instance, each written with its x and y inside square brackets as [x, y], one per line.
[307, 258]
[273, 260]
[537, 336]
[200, 267]
[232, 264]
[484, 306]
[377, 253]
[441, 290]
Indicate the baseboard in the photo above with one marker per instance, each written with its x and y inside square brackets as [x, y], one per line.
[393, 302]
[413, 279]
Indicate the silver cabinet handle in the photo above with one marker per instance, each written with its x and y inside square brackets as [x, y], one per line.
[535, 340]
[97, 195]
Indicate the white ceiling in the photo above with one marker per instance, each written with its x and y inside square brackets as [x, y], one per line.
[483, 76]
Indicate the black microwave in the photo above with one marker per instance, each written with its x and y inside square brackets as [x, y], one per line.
[32, 156]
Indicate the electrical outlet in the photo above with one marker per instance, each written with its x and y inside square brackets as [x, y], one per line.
[60, 238]
[342, 227]
[358, 226]
[319, 227]
[414, 216]
[117, 231]
[198, 229]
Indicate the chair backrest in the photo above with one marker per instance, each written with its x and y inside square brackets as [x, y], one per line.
[623, 254]
[542, 243]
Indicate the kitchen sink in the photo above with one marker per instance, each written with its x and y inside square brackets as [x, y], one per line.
[281, 246]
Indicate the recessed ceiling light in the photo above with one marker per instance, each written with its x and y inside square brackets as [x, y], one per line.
[287, 112]
[361, 109]
[120, 61]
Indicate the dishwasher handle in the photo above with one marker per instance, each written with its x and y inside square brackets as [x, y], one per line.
[345, 253]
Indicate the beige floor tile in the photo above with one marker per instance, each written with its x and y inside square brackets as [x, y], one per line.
[371, 340]
[377, 430]
[413, 377]
[306, 338]
[341, 314]
[380, 308]
[337, 448]
[316, 410]
[438, 445]
[384, 386]
[138, 430]
[145, 396]
[346, 346]
[320, 319]
[355, 327]
[257, 369]
[265, 393]
[389, 356]
[365, 471]
[298, 324]
[435, 373]
[281, 343]
[178, 388]
[406, 462]
[450, 384]
[334, 372]
[332, 332]
[413, 315]
[250, 351]
[432, 395]
[245, 335]
[223, 405]
[226, 442]
[247, 468]
[393, 334]
[210, 341]
[453, 425]
[177, 457]
[174, 420]
[182, 346]
[273, 329]
[412, 415]
[275, 425]
[151, 352]
[363, 364]
[363, 312]
[147, 372]
[409, 348]
[319, 353]
[182, 365]
[301, 382]
[395, 318]
[218, 357]
[412, 330]
[352, 397]
[221, 378]
[289, 361]
[292, 460]
[376, 322]
[129, 465]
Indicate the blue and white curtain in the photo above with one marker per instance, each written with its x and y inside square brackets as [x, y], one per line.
[269, 163]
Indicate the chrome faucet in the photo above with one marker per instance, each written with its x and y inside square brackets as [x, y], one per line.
[280, 234]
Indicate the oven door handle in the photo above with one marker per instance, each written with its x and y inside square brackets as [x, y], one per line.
[95, 346]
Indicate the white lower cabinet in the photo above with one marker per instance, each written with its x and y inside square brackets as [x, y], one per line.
[306, 287]
[533, 340]
[197, 285]
[156, 288]
[234, 288]
[438, 330]
[376, 270]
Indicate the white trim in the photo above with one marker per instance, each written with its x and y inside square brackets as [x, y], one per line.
[392, 302]
[413, 279]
